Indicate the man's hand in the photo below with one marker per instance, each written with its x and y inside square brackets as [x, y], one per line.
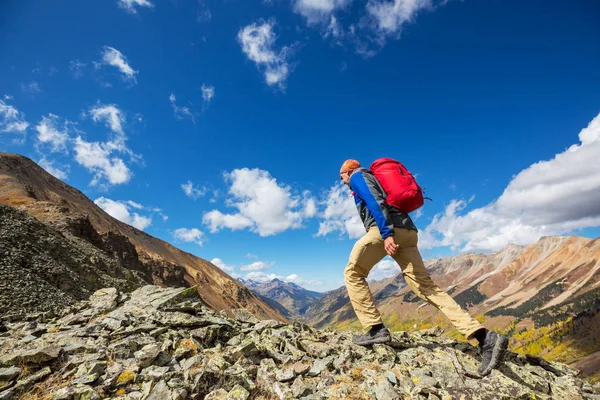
[389, 245]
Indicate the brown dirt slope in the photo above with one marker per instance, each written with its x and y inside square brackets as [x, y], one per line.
[25, 185]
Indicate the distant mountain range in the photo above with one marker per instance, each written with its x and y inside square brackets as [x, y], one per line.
[546, 296]
[287, 296]
[71, 247]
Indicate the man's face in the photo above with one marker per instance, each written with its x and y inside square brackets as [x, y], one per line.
[345, 177]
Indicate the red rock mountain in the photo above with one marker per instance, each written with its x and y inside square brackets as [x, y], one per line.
[26, 186]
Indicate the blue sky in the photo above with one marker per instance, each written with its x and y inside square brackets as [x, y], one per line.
[220, 126]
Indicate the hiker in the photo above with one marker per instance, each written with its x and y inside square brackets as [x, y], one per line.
[392, 232]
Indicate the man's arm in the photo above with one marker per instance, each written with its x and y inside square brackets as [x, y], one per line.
[364, 186]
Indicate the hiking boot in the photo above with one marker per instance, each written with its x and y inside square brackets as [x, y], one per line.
[374, 336]
[494, 347]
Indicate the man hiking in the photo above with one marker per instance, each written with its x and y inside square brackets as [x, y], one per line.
[392, 232]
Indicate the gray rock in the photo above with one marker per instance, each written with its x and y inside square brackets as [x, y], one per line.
[238, 392]
[146, 356]
[29, 381]
[33, 356]
[320, 365]
[160, 392]
[243, 315]
[8, 374]
[104, 300]
[285, 375]
[385, 391]
[77, 392]
[219, 394]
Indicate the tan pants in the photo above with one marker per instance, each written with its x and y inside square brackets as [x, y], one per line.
[369, 250]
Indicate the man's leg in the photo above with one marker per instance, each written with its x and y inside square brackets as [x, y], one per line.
[417, 277]
[367, 252]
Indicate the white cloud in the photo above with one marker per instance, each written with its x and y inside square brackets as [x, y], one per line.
[264, 206]
[113, 57]
[250, 255]
[110, 114]
[385, 268]
[76, 68]
[48, 133]
[256, 266]
[550, 197]
[130, 5]
[302, 282]
[193, 235]
[100, 157]
[121, 210]
[51, 169]
[181, 112]
[191, 191]
[31, 87]
[96, 157]
[11, 119]
[389, 16]
[208, 92]
[219, 263]
[258, 42]
[340, 214]
[318, 10]
[260, 276]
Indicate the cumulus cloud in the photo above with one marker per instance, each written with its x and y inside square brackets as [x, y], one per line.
[191, 191]
[258, 44]
[318, 10]
[193, 235]
[208, 92]
[131, 5]
[11, 119]
[385, 268]
[550, 197]
[58, 172]
[179, 111]
[219, 263]
[340, 214]
[97, 158]
[49, 134]
[256, 266]
[121, 210]
[114, 58]
[263, 205]
[102, 158]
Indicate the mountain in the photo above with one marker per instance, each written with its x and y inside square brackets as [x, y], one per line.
[73, 247]
[546, 296]
[162, 343]
[292, 297]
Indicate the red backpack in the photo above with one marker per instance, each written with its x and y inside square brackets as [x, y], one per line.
[399, 185]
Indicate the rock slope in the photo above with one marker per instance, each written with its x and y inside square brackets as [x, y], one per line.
[163, 343]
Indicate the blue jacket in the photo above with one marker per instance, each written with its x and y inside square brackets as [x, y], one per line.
[370, 202]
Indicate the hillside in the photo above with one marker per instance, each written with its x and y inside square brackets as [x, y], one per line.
[68, 212]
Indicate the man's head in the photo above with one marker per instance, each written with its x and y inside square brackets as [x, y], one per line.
[347, 169]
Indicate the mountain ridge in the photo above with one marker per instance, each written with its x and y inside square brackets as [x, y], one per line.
[26, 186]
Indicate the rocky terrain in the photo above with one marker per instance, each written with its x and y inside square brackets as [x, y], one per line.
[72, 247]
[163, 343]
[293, 298]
